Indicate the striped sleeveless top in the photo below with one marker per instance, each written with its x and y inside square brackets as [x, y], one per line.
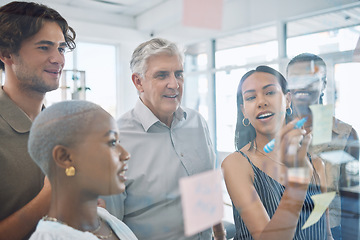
[270, 193]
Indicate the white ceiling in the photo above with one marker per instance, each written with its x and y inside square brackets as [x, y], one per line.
[123, 7]
[243, 21]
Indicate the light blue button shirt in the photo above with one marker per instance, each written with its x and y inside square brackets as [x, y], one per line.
[160, 156]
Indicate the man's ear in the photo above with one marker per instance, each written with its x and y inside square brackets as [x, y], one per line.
[6, 57]
[323, 86]
[61, 156]
[137, 82]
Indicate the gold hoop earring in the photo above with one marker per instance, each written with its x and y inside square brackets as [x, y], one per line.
[70, 171]
[290, 110]
[243, 122]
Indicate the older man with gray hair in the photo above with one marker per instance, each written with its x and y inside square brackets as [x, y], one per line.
[166, 142]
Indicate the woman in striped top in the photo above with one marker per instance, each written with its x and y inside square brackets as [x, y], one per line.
[269, 200]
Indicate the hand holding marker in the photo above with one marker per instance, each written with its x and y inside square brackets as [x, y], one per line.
[270, 145]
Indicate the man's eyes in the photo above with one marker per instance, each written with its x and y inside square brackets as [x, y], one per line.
[61, 50]
[179, 75]
[165, 75]
[162, 76]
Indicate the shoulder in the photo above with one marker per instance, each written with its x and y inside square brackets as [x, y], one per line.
[318, 164]
[120, 228]
[232, 158]
[236, 162]
[341, 127]
[194, 119]
[319, 167]
[127, 116]
[239, 179]
[192, 114]
[238, 156]
[108, 217]
[47, 230]
[128, 120]
[353, 134]
[104, 214]
[12, 115]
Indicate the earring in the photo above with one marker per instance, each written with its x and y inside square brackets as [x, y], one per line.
[289, 111]
[70, 171]
[321, 98]
[243, 122]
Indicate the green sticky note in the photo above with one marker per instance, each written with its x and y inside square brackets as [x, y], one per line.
[322, 123]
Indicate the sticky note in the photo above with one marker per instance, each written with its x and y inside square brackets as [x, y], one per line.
[321, 202]
[303, 81]
[322, 123]
[202, 201]
[196, 15]
[337, 157]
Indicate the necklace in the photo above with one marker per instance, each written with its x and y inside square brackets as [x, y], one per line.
[255, 146]
[281, 175]
[52, 219]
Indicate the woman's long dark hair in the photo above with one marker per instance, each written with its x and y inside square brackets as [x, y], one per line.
[244, 135]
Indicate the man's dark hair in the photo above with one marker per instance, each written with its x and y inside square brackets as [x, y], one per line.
[307, 57]
[21, 20]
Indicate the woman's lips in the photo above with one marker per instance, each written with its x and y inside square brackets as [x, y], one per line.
[264, 115]
[121, 173]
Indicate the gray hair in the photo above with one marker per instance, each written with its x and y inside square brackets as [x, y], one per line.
[64, 123]
[155, 46]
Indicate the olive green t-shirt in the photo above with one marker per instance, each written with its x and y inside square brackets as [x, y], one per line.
[20, 178]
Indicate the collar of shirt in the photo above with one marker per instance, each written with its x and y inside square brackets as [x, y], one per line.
[13, 115]
[147, 118]
[340, 127]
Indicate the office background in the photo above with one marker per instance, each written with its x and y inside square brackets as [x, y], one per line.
[234, 37]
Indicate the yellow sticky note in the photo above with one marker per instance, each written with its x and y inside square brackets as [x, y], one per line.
[321, 202]
[322, 123]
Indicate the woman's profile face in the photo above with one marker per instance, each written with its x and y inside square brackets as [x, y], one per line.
[99, 158]
[264, 103]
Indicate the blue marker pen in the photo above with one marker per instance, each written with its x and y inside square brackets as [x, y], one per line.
[270, 145]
